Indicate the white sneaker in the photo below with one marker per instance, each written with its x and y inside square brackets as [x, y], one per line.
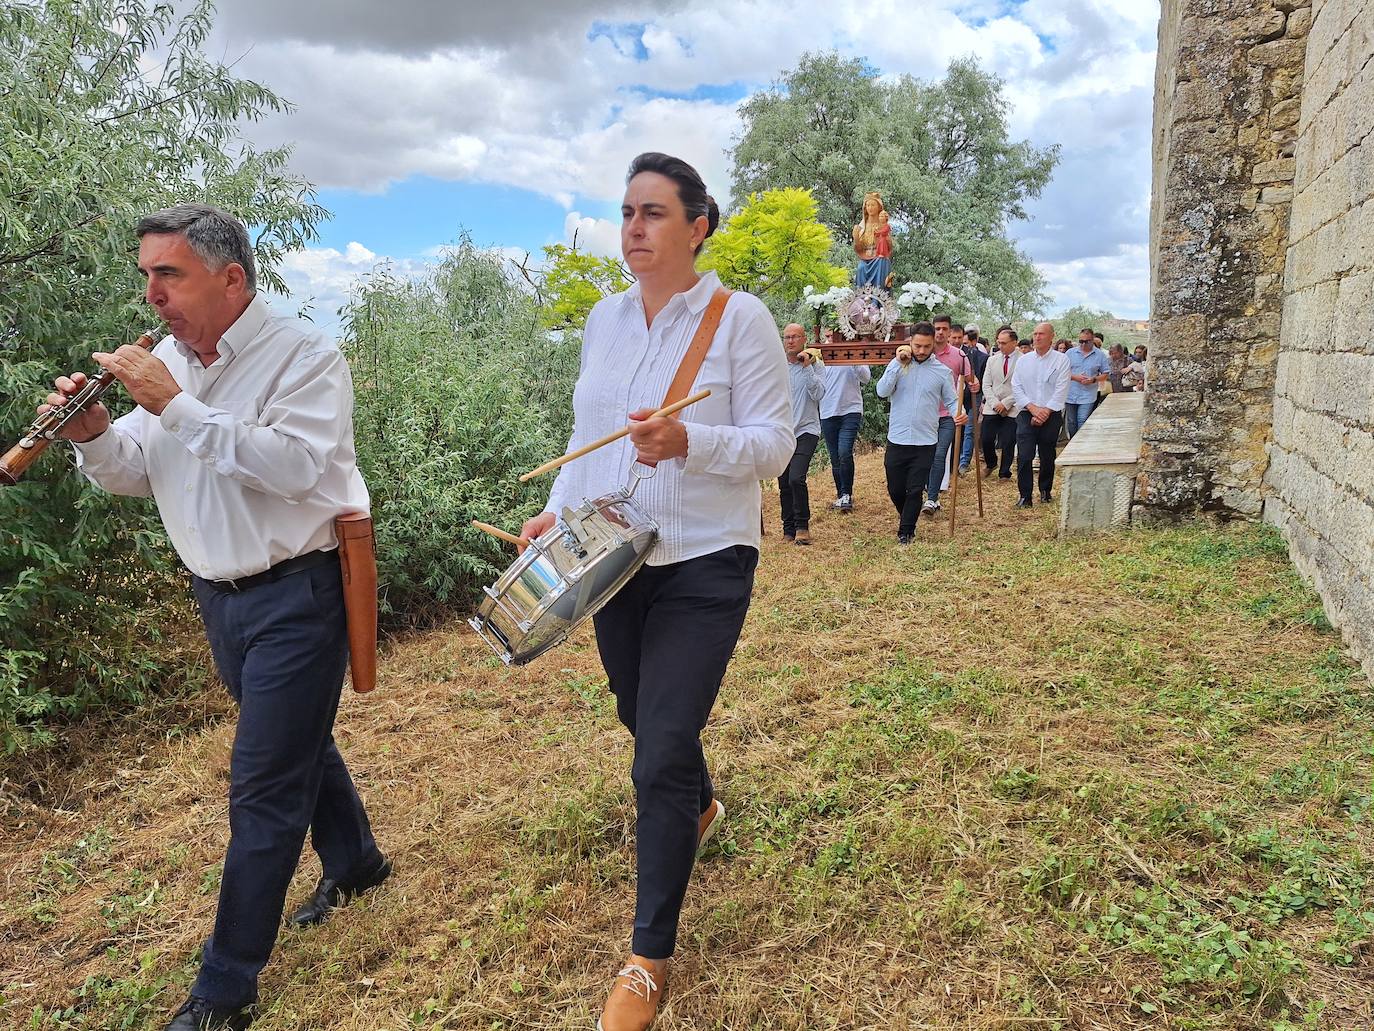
[846, 503]
[838, 503]
[709, 823]
[931, 506]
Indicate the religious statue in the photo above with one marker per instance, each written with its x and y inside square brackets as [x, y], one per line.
[873, 244]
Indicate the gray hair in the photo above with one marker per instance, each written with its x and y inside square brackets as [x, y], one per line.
[216, 236]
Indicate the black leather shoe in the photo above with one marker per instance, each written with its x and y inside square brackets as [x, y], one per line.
[1023, 502]
[330, 894]
[198, 1015]
[1046, 497]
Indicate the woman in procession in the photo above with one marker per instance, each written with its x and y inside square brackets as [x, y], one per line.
[666, 638]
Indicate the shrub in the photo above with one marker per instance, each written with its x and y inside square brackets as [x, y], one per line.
[458, 391]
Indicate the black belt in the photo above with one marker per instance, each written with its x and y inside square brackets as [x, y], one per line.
[274, 573]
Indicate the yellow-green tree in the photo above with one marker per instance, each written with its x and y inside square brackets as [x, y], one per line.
[774, 247]
[574, 282]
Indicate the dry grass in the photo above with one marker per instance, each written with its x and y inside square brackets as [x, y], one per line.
[962, 794]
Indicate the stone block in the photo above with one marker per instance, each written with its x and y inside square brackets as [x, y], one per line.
[1276, 195]
[1280, 53]
[1279, 170]
[1299, 24]
[1177, 335]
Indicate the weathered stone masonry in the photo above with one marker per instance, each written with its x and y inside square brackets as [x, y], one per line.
[1226, 93]
[1321, 473]
[1262, 282]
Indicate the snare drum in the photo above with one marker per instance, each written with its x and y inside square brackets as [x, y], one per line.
[565, 575]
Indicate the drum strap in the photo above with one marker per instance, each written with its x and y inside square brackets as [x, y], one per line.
[696, 351]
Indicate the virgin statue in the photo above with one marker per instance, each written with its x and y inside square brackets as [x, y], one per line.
[873, 243]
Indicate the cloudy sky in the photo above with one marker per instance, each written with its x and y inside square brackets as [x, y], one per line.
[515, 119]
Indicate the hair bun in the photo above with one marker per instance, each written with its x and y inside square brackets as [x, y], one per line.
[712, 215]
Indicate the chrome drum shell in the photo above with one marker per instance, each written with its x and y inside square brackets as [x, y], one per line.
[564, 577]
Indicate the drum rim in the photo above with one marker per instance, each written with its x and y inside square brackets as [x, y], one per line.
[648, 530]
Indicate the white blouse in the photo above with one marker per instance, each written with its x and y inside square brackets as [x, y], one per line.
[738, 436]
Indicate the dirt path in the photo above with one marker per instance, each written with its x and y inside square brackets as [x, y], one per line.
[957, 773]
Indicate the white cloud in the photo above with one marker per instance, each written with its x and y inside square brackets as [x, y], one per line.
[556, 98]
[594, 235]
[1118, 283]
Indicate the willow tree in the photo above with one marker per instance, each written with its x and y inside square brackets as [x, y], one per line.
[940, 153]
[108, 110]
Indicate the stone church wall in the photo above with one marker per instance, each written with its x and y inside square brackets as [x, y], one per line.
[1227, 100]
[1321, 474]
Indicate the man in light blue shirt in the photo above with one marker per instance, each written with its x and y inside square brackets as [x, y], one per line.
[918, 387]
[807, 386]
[1088, 366]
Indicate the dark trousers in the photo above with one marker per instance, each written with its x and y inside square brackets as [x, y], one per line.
[999, 435]
[665, 640]
[281, 649]
[840, 432]
[1031, 439]
[908, 468]
[792, 491]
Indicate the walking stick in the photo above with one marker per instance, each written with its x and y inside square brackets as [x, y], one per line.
[954, 456]
[978, 451]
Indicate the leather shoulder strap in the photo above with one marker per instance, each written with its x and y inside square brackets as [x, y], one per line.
[696, 351]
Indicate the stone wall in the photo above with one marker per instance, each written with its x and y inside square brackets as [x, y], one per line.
[1227, 98]
[1321, 473]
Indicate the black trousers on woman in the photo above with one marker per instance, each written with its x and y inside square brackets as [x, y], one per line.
[796, 499]
[665, 640]
[908, 468]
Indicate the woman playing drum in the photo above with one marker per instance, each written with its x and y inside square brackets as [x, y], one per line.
[666, 638]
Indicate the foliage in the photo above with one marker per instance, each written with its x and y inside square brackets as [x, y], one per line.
[1070, 321]
[574, 281]
[107, 111]
[774, 247]
[951, 177]
[457, 391]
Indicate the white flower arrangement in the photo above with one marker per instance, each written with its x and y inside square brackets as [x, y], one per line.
[832, 297]
[925, 295]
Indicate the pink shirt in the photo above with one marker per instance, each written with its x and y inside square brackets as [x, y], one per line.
[954, 360]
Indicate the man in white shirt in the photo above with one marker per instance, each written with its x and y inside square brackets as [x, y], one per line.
[999, 405]
[243, 435]
[1040, 385]
[807, 388]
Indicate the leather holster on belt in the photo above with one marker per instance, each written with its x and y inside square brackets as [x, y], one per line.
[358, 561]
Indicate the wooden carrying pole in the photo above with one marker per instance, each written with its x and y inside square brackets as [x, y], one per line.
[954, 456]
[610, 438]
[978, 451]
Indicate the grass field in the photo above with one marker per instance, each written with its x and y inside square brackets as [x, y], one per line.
[990, 781]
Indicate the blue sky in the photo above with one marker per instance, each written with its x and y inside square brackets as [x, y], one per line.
[515, 121]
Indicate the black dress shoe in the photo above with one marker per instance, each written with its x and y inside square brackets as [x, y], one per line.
[1046, 497]
[330, 894]
[1023, 502]
[198, 1015]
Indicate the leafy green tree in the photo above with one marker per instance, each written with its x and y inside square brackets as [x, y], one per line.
[774, 247]
[940, 154]
[574, 281]
[497, 401]
[108, 110]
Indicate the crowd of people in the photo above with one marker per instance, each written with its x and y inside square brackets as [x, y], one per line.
[1013, 399]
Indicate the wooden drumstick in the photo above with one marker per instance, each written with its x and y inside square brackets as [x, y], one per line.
[671, 409]
[496, 531]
